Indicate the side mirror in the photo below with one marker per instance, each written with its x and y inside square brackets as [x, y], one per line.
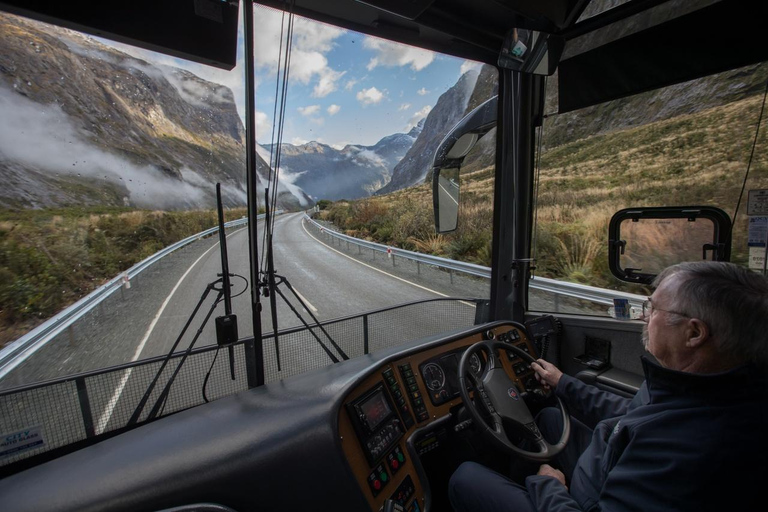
[531, 51]
[644, 241]
[449, 157]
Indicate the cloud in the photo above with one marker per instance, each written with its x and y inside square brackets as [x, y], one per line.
[263, 125]
[46, 140]
[422, 92]
[327, 82]
[350, 84]
[404, 106]
[309, 110]
[370, 96]
[340, 145]
[311, 41]
[333, 110]
[418, 116]
[394, 54]
[298, 141]
[470, 65]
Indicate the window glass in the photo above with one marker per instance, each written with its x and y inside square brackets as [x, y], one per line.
[685, 145]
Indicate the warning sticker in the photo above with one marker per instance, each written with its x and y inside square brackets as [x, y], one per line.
[758, 231]
[21, 441]
[756, 258]
[757, 203]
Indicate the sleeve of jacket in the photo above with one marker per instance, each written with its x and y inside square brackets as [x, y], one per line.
[547, 494]
[589, 404]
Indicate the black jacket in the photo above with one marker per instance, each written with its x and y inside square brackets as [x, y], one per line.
[684, 442]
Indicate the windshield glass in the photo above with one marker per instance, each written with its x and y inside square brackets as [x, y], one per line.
[110, 155]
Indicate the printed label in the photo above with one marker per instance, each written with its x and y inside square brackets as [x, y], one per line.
[757, 204]
[21, 441]
[758, 231]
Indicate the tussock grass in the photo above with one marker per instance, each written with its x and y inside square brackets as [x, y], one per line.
[696, 159]
[51, 258]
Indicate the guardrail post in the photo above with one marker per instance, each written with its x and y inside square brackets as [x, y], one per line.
[347, 244]
[557, 302]
[359, 250]
[450, 272]
[85, 406]
[393, 259]
[71, 334]
[365, 334]
[418, 267]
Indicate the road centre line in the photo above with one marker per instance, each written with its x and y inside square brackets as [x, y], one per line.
[379, 270]
[304, 299]
[107, 415]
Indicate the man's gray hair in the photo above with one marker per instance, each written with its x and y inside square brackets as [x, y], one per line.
[731, 300]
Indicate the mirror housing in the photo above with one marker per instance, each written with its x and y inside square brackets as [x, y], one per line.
[448, 158]
[531, 51]
[644, 241]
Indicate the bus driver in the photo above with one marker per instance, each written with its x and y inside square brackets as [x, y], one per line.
[695, 435]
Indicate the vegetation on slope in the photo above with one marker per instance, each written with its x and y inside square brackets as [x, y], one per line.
[696, 159]
[51, 258]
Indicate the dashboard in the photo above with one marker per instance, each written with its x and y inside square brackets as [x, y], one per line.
[345, 437]
[386, 421]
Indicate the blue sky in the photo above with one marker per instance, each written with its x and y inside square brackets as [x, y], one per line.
[344, 87]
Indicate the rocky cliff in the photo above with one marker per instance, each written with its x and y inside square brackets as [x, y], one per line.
[85, 124]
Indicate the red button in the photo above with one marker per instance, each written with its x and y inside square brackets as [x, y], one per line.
[395, 464]
[376, 484]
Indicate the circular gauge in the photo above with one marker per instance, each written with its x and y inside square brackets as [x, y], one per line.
[489, 334]
[475, 365]
[434, 376]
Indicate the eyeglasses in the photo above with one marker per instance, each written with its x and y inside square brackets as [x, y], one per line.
[649, 308]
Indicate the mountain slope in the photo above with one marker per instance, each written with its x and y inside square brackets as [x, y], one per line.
[86, 124]
[448, 110]
[350, 173]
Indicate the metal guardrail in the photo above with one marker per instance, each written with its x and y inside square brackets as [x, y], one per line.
[16, 352]
[574, 290]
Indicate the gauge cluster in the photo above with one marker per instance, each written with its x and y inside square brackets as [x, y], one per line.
[441, 375]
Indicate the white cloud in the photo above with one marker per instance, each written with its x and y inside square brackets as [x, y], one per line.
[340, 145]
[370, 96]
[327, 82]
[404, 106]
[263, 125]
[311, 41]
[350, 84]
[418, 116]
[298, 141]
[470, 65]
[394, 54]
[422, 92]
[333, 110]
[47, 140]
[309, 110]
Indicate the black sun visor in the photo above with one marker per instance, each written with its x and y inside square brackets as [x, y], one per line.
[671, 43]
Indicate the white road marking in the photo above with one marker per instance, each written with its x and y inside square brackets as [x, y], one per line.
[105, 417]
[449, 195]
[379, 270]
[304, 299]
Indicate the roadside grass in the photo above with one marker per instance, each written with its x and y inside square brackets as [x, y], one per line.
[696, 159]
[52, 258]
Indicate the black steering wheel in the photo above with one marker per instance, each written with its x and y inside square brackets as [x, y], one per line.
[502, 401]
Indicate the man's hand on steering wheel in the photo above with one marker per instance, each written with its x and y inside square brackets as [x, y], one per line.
[547, 374]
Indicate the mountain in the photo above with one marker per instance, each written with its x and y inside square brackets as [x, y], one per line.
[86, 124]
[350, 173]
[449, 109]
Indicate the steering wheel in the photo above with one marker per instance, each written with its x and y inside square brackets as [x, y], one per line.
[501, 399]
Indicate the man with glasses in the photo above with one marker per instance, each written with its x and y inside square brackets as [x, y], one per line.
[694, 437]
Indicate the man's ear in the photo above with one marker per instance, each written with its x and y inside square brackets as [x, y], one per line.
[698, 333]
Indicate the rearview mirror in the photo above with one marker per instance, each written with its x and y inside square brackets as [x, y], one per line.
[531, 51]
[644, 241]
[449, 157]
[446, 196]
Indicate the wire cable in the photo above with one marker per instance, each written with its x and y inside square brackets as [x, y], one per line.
[208, 375]
[751, 155]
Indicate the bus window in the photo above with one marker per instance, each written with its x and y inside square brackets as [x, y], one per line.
[685, 145]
